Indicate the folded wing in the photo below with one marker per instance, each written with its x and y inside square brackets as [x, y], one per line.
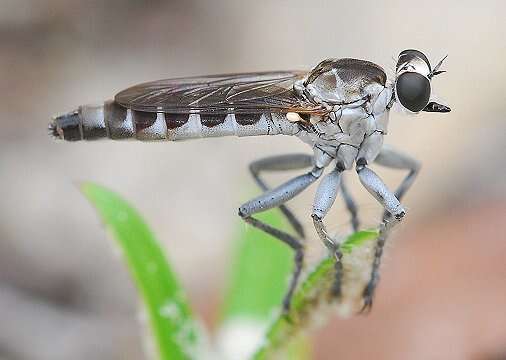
[245, 93]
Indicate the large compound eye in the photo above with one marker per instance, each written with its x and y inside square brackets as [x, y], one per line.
[413, 91]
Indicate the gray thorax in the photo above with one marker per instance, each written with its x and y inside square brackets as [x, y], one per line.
[348, 129]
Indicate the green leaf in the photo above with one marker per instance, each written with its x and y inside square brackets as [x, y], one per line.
[259, 272]
[168, 311]
[358, 239]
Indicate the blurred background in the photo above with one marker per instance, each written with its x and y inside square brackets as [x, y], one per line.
[65, 295]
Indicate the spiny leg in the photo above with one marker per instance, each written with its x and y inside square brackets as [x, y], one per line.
[324, 199]
[274, 198]
[395, 159]
[391, 204]
[281, 163]
[350, 205]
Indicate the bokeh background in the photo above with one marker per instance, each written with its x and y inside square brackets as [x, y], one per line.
[63, 292]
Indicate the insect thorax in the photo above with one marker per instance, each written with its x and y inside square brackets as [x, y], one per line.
[342, 131]
[354, 96]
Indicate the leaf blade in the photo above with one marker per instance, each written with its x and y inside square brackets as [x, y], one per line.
[169, 313]
[259, 273]
[357, 239]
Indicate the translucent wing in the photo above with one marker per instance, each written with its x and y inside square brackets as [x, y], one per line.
[231, 93]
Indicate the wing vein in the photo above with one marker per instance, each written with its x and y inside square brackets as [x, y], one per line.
[219, 94]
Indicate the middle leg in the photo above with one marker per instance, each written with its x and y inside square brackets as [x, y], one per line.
[351, 206]
[324, 199]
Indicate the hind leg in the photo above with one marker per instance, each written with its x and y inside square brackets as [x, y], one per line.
[274, 198]
[281, 163]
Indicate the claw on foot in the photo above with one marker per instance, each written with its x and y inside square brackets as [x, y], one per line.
[368, 296]
[367, 307]
[285, 311]
[286, 305]
[336, 286]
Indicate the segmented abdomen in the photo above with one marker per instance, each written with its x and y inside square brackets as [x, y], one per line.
[113, 121]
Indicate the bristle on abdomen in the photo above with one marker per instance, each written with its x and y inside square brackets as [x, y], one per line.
[52, 130]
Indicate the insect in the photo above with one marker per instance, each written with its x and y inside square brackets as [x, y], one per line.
[340, 109]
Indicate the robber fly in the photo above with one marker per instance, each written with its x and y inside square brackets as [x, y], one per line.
[340, 109]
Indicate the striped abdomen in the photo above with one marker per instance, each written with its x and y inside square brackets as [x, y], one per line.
[110, 120]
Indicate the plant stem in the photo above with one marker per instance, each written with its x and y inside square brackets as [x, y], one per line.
[313, 301]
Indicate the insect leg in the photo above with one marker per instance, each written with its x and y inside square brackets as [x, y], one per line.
[350, 205]
[281, 163]
[391, 204]
[395, 159]
[324, 199]
[274, 198]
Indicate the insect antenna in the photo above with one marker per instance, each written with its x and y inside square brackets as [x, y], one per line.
[436, 70]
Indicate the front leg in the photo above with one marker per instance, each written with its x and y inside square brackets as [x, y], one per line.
[394, 159]
[391, 204]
